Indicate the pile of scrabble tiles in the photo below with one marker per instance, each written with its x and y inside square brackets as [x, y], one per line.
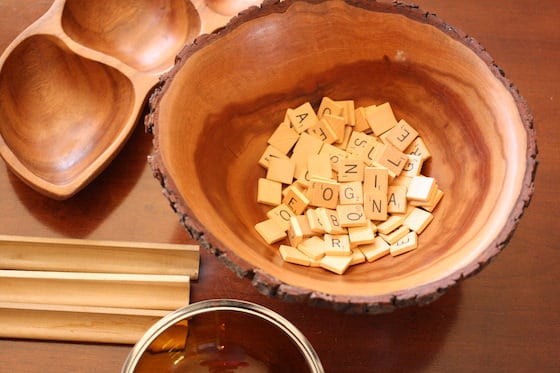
[344, 185]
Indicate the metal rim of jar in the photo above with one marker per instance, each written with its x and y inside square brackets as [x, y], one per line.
[235, 305]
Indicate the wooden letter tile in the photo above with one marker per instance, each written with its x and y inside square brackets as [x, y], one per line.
[351, 193]
[407, 243]
[269, 153]
[396, 199]
[281, 170]
[295, 199]
[421, 188]
[269, 192]
[284, 137]
[281, 214]
[323, 193]
[302, 117]
[336, 264]
[381, 118]
[329, 107]
[292, 255]
[376, 178]
[418, 147]
[375, 205]
[375, 250]
[418, 220]
[402, 135]
[351, 215]
[319, 165]
[270, 231]
[350, 170]
[313, 247]
[338, 245]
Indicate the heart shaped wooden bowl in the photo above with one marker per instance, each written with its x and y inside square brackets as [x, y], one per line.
[214, 111]
[74, 83]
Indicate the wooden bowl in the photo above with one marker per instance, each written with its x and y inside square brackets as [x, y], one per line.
[214, 111]
[74, 83]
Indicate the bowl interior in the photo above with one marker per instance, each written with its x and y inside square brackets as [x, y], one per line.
[58, 118]
[229, 94]
[143, 34]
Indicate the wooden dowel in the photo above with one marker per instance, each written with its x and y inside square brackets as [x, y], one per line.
[163, 292]
[75, 323]
[78, 255]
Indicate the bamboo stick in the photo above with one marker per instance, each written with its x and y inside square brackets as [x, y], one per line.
[78, 255]
[140, 291]
[75, 323]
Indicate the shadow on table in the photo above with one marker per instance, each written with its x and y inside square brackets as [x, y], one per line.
[81, 214]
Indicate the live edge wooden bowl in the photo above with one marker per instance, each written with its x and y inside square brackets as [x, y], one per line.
[74, 83]
[213, 112]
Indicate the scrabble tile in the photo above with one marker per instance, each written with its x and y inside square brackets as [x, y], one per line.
[408, 243]
[361, 235]
[357, 257]
[396, 199]
[348, 111]
[313, 247]
[345, 139]
[270, 231]
[324, 132]
[402, 180]
[269, 153]
[402, 135]
[281, 214]
[329, 107]
[362, 124]
[431, 203]
[389, 225]
[358, 142]
[375, 250]
[413, 166]
[418, 220]
[304, 147]
[395, 235]
[351, 215]
[351, 193]
[336, 264]
[421, 188]
[371, 152]
[315, 224]
[337, 124]
[418, 147]
[375, 205]
[281, 170]
[338, 245]
[350, 170]
[291, 254]
[319, 165]
[269, 192]
[302, 117]
[294, 232]
[284, 137]
[323, 193]
[376, 178]
[335, 155]
[295, 199]
[304, 226]
[330, 221]
[392, 159]
[381, 118]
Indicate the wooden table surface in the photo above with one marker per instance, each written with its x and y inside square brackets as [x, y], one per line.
[505, 319]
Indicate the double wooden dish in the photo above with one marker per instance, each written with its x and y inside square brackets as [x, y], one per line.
[214, 111]
[73, 84]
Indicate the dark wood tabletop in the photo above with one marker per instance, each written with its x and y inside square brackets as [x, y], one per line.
[505, 319]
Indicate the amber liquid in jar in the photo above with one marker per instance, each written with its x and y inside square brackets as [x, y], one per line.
[224, 342]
